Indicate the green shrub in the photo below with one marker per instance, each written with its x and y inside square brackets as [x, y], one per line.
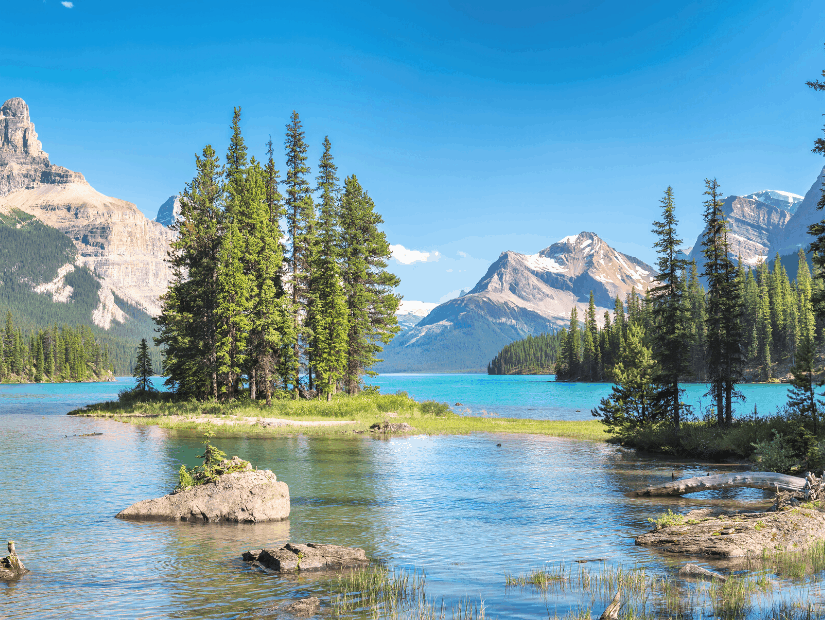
[431, 407]
[776, 454]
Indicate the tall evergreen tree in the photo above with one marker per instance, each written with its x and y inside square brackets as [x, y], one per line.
[670, 314]
[142, 371]
[330, 321]
[300, 216]
[817, 230]
[371, 302]
[802, 396]
[188, 319]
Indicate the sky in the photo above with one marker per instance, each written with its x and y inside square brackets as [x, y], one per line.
[476, 126]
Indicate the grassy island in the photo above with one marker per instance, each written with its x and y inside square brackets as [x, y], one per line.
[343, 416]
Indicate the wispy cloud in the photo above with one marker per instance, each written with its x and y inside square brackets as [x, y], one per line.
[463, 254]
[68, 5]
[408, 257]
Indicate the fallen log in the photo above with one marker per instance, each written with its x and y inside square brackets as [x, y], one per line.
[752, 479]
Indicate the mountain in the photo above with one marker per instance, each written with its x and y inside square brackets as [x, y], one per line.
[754, 228]
[410, 313]
[520, 295]
[122, 248]
[795, 233]
[765, 223]
[169, 211]
[784, 200]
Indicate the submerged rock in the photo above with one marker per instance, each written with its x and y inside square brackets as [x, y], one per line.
[250, 496]
[295, 557]
[692, 571]
[10, 566]
[741, 534]
[305, 607]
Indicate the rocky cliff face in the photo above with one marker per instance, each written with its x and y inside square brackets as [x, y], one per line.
[22, 160]
[123, 248]
[520, 295]
[755, 228]
[169, 211]
[795, 233]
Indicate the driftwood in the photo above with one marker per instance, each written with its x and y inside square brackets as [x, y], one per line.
[807, 488]
[612, 611]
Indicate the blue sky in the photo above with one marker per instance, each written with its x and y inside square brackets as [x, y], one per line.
[477, 127]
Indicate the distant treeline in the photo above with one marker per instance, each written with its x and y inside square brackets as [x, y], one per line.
[775, 313]
[535, 355]
[52, 355]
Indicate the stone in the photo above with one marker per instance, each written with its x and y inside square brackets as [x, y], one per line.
[693, 571]
[305, 607]
[297, 557]
[391, 427]
[10, 566]
[741, 534]
[251, 496]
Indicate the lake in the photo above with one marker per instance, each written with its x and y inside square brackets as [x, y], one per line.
[466, 510]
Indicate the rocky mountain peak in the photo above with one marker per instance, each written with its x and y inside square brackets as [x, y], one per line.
[784, 200]
[17, 134]
[169, 211]
[23, 163]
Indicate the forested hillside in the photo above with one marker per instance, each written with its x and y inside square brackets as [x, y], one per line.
[31, 254]
[535, 355]
[52, 355]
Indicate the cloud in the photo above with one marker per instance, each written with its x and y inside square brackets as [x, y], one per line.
[408, 257]
[68, 5]
[463, 254]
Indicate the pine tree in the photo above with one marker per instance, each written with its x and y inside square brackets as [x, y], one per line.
[817, 230]
[670, 314]
[142, 371]
[40, 361]
[371, 303]
[300, 216]
[724, 307]
[572, 347]
[802, 396]
[330, 322]
[631, 401]
[188, 320]
[764, 324]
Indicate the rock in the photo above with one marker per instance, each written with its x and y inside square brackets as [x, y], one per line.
[738, 535]
[692, 571]
[391, 427]
[251, 496]
[305, 607]
[612, 610]
[121, 246]
[169, 211]
[295, 557]
[10, 566]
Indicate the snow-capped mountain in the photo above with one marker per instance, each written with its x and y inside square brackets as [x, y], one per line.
[520, 294]
[784, 200]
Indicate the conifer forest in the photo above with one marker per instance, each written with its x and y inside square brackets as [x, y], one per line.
[280, 283]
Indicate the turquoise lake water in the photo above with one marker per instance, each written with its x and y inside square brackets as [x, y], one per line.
[541, 397]
[467, 510]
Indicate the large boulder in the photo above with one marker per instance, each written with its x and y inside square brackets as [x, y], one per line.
[10, 566]
[296, 557]
[250, 496]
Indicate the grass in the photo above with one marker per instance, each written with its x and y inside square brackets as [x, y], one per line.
[363, 410]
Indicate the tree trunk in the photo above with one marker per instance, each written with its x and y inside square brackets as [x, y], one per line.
[253, 381]
[752, 479]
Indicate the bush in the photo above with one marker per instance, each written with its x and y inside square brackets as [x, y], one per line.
[775, 455]
[432, 407]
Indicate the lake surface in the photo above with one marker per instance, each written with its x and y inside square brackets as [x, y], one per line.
[541, 397]
[465, 510]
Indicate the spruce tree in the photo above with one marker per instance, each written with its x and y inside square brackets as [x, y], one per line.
[371, 302]
[300, 216]
[631, 402]
[188, 320]
[805, 379]
[572, 347]
[764, 324]
[817, 230]
[670, 314]
[142, 371]
[330, 321]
